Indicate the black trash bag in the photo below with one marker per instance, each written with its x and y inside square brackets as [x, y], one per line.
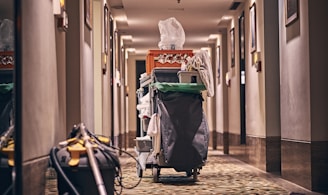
[184, 129]
[6, 109]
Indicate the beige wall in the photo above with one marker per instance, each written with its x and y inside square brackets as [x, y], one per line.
[106, 109]
[270, 66]
[262, 113]
[295, 76]
[221, 87]
[234, 89]
[106, 99]
[41, 109]
[210, 102]
[255, 99]
[318, 70]
[44, 90]
[87, 88]
[303, 72]
[80, 78]
[97, 61]
[61, 76]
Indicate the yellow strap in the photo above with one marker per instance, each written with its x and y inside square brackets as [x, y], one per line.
[103, 139]
[10, 151]
[11, 161]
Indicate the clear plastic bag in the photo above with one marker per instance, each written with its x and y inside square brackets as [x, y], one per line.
[6, 35]
[172, 34]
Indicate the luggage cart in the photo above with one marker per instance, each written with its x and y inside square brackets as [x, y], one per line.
[182, 134]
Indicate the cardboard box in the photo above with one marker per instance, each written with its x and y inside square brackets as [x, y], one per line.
[189, 77]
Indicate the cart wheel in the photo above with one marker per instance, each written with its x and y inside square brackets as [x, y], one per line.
[139, 171]
[195, 174]
[189, 173]
[156, 172]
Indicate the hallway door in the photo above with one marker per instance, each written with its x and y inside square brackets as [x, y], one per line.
[242, 74]
[111, 71]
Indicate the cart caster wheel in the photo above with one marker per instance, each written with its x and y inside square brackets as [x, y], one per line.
[139, 171]
[189, 173]
[156, 172]
[195, 174]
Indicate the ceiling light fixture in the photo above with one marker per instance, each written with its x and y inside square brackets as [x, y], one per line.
[120, 18]
[126, 37]
[130, 49]
[213, 36]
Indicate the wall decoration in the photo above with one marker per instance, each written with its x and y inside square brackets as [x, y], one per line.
[228, 78]
[218, 61]
[105, 39]
[291, 11]
[88, 13]
[252, 15]
[106, 31]
[232, 39]
[110, 48]
[242, 36]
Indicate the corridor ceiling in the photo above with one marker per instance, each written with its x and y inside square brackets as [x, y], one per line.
[199, 19]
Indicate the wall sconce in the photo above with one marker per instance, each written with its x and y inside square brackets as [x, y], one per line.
[62, 3]
[104, 66]
[126, 91]
[117, 78]
[256, 56]
[62, 21]
[228, 78]
[58, 6]
[61, 15]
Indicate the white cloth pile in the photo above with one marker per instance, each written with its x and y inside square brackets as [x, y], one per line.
[144, 106]
[155, 132]
[202, 63]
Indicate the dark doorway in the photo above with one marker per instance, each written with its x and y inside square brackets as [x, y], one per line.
[242, 75]
[140, 69]
[111, 70]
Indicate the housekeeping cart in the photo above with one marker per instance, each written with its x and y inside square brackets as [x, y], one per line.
[177, 128]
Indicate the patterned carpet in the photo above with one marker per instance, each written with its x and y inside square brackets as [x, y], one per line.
[220, 175]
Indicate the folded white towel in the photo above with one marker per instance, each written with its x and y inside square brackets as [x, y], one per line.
[154, 131]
